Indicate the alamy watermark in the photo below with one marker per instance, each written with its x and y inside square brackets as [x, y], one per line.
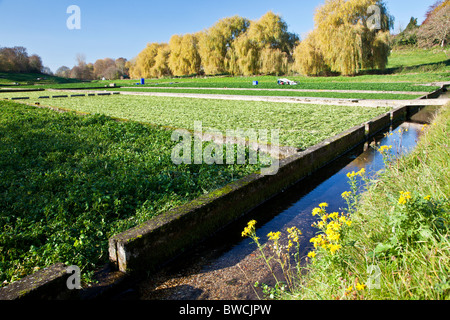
[74, 20]
[236, 142]
[374, 20]
[374, 272]
[73, 282]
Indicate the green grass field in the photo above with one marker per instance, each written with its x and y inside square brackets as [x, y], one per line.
[300, 126]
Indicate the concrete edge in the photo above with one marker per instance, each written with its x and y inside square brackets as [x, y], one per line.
[48, 283]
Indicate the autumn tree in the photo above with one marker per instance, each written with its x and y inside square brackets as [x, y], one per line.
[243, 58]
[83, 70]
[184, 57]
[16, 59]
[265, 47]
[104, 68]
[435, 30]
[63, 72]
[353, 34]
[152, 62]
[308, 57]
[215, 42]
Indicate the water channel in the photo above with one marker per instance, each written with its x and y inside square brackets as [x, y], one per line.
[226, 266]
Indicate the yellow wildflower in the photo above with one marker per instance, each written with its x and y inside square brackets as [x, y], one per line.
[333, 236]
[360, 286]
[274, 236]
[404, 197]
[334, 248]
[428, 198]
[346, 194]
[316, 211]
[249, 229]
[334, 215]
[323, 205]
[383, 149]
[312, 254]
[294, 234]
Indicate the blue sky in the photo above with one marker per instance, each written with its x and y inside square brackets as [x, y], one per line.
[117, 28]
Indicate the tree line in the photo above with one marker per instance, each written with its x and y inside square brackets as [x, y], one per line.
[17, 60]
[342, 41]
[107, 68]
[434, 31]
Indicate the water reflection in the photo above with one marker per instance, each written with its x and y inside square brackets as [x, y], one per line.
[295, 207]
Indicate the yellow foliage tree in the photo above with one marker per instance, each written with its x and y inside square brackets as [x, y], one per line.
[308, 58]
[351, 34]
[151, 62]
[184, 57]
[215, 42]
[274, 61]
[266, 47]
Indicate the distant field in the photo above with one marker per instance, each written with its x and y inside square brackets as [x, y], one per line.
[283, 93]
[429, 59]
[300, 126]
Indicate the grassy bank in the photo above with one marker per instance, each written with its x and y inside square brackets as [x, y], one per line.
[392, 243]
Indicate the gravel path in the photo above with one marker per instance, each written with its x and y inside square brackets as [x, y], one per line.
[303, 100]
[289, 90]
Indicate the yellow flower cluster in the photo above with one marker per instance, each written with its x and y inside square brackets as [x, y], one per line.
[384, 149]
[354, 174]
[249, 229]
[274, 236]
[331, 225]
[404, 197]
[346, 194]
[294, 236]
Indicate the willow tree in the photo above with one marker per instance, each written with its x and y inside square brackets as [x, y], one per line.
[273, 61]
[148, 63]
[161, 67]
[308, 57]
[353, 34]
[265, 47]
[243, 58]
[215, 42]
[184, 57]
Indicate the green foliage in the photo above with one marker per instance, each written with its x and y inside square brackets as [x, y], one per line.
[347, 38]
[415, 221]
[300, 125]
[69, 182]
